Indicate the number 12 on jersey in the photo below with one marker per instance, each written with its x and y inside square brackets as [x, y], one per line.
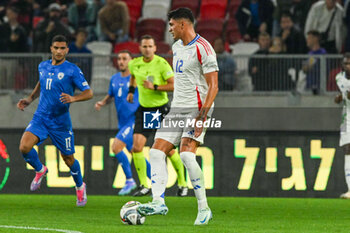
[178, 67]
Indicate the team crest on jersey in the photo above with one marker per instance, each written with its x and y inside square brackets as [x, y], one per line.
[60, 75]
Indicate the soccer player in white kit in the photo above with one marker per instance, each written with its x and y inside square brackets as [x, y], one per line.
[343, 83]
[195, 88]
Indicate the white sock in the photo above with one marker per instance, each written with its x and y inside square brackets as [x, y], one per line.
[159, 174]
[347, 170]
[196, 176]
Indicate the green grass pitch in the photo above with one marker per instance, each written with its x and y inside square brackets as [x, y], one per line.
[230, 214]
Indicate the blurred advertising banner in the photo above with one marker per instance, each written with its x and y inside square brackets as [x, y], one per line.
[235, 163]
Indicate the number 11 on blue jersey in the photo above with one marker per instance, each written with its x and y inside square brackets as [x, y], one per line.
[48, 83]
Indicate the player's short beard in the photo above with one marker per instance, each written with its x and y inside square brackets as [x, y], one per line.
[59, 60]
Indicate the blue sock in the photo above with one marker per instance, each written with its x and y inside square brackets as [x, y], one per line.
[124, 162]
[148, 169]
[76, 173]
[33, 159]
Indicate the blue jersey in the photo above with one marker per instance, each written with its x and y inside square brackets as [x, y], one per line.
[55, 80]
[119, 88]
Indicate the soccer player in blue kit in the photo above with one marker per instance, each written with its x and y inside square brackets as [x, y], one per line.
[58, 79]
[118, 89]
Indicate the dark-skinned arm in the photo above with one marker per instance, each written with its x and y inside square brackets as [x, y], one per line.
[85, 95]
[212, 81]
[23, 103]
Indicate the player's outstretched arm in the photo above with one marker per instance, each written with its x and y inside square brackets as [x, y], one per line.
[167, 87]
[106, 100]
[85, 95]
[23, 103]
[130, 97]
[212, 81]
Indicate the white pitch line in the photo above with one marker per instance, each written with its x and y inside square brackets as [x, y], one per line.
[39, 229]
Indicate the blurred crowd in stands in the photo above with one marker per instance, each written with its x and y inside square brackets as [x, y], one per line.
[275, 26]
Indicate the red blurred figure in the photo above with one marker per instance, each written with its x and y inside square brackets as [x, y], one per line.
[3, 152]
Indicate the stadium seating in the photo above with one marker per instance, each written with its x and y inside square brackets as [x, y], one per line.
[232, 8]
[243, 79]
[132, 27]
[244, 48]
[191, 4]
[100, 47]
[153, 27]
[163, 48]
[232, 34]
[102, 67]
[131, 46]
[134, 7]
[155, 9]
[210, 29]
[213, 9]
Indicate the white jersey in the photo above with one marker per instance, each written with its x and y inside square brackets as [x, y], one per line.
[190, 63]
[344, 86]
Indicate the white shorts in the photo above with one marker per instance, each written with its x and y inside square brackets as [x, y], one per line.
[172, 130]
[344, 138]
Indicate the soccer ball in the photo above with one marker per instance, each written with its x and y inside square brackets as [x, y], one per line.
[129, 214]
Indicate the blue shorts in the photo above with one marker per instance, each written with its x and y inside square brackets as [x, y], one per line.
[125, 135]
[59, 129]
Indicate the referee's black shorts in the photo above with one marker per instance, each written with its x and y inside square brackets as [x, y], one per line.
[139, 120]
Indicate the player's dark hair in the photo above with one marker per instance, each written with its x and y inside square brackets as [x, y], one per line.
[125, 51]
[147, 37]
[314, 33]
[181, 13]
[59, 38]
